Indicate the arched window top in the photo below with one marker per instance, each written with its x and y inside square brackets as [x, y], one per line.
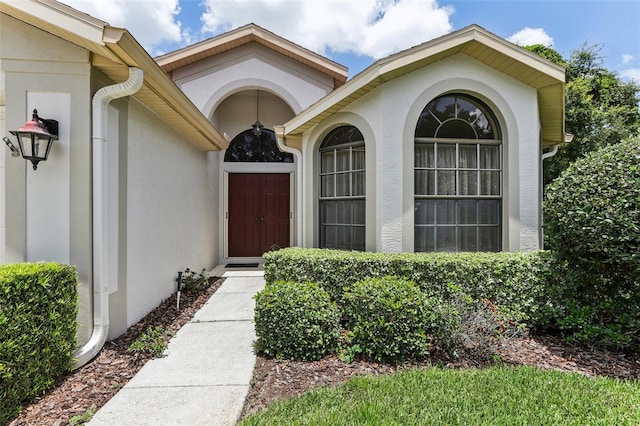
[457, 116]
[249, 148]
[343, 135]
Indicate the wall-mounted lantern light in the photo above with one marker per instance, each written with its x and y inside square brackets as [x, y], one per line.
[34, 139]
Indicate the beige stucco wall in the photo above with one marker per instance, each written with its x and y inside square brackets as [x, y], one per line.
[162, 196]
[46, 212]
[44, 72]
[239, 111]
[387, 116]
[208, 82]
[3, 156]
[171, 218]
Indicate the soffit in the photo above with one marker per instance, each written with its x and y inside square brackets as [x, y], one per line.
[248, 34]
[114, 50]
[546, 77]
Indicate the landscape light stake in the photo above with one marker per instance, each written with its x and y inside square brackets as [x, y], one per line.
[179, 280]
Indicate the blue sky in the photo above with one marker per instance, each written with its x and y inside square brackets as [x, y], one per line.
[356, 32]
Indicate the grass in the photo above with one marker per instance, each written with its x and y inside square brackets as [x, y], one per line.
[494, 396]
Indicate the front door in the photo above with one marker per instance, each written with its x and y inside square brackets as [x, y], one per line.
[258, 213]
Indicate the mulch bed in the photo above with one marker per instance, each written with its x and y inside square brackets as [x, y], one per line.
[93, 385]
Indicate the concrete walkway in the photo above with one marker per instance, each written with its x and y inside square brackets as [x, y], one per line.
[204, 377]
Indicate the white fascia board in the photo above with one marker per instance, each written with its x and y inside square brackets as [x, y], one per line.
[352, 86]
[60, 15]
[520, 54]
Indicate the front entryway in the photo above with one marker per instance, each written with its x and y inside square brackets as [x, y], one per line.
[259, 213]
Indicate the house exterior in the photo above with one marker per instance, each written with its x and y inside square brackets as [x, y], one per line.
[128, 188]
[222, 150]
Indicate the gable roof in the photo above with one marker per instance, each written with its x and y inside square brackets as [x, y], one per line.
[114, 50]
[546, 77]
[247, 34]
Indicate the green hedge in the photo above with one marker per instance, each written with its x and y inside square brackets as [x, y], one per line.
[296, 321]
[592, 215]
[391, 319]
[526, 285]
[38, 309]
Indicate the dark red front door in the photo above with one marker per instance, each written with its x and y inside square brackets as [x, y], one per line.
[258, 213]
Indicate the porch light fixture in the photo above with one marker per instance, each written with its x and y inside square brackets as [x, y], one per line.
[257, 126]
[34, 139]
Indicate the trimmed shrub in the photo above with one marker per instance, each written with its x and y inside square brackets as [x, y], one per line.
[592, 214]
[527, 286]
[296, 321]
[391, 319]
[38, 308]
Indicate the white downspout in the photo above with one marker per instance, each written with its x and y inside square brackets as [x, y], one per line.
[299, 239]
[101, 101]
[545, 155]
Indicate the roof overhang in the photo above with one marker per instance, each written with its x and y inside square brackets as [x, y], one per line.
[546, 77]
[113, 51]
[249, 34]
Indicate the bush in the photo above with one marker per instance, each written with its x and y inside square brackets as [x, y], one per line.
[391, 319]
[592, 213]
[528, 286]
[193, 281]
[610, 322]
[38, 308]
[151, 342]
[296, 321]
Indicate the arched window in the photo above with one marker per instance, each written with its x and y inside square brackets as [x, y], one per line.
[249, 148]
[342, 189]
[458, 176]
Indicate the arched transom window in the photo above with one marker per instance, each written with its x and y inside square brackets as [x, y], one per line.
[246, 147]
[458, 176]
[342, 189]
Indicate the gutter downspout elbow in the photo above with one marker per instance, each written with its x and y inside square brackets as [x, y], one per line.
[554, 151]
[101, 101]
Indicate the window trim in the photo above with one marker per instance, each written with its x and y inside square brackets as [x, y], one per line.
[457, 197]
[322, 199]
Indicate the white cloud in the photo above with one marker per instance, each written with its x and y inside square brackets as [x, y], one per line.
[529, 36]
[151, 22]
[374, 28]
[631, 74]
[627, 59]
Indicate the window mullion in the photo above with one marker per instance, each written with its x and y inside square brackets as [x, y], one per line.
[457, 169]
[335, 172]
[435, 168]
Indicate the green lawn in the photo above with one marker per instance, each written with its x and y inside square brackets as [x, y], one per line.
[494, 396]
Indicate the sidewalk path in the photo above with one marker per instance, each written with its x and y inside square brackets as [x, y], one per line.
[204, 377]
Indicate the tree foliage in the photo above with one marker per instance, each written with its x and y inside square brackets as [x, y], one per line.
[601, 108]
[547, 53]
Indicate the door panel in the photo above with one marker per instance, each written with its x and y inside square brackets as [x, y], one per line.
[258, 213]
[244, 211]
